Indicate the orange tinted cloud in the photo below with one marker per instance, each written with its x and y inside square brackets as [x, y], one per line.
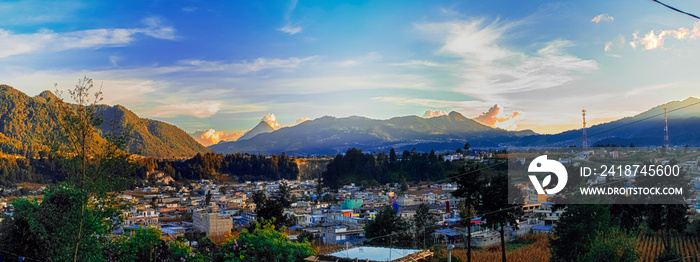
[495, 117]
[211, 136]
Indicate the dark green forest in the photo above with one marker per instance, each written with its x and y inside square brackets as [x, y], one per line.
[371, 169]
[201, 166]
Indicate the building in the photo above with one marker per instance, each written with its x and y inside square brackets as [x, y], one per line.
[210, 221]
[341, 234]
[140, 217]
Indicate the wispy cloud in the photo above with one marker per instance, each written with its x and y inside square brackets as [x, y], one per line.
[245, 67]
[46, 40]
[198, 109]
[490, 69]
[290, 27]
[369, 57]
[602, 18]
[417, 63]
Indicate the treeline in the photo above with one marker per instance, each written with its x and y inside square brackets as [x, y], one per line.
[49, 170]
[243, 165]
[371, 169]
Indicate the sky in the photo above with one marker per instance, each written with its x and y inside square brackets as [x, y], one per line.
[223, 65]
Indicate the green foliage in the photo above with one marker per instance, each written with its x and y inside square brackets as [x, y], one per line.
[272, 208]
[424, 225]
[245, 166]
[264, 243]
[577, 230]
[366, 169]
[388, 229]
[143, 245]
[47, 230]
[613, 244]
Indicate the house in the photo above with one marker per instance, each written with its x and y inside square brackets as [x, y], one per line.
[341, 234]
[541, 229]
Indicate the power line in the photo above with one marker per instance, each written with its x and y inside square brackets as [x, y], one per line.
[676, 9]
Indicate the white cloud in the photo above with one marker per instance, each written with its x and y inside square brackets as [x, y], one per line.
[212, 137]
[198, 109]
[431, 113]
[602, 18]
[417, 63]
[490, 69]
[245, 67]
[651, 40]
[497, 117]
[608, 45]
[369, 57]
[46, 40]
[289, 27]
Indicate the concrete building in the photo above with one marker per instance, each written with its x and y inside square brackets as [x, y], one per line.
[212, 222]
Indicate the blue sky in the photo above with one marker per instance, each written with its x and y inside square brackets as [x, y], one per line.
[224, 64]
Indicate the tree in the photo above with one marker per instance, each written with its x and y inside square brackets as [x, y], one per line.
[613, 244]
[143, 245]
[207, 198]
[577, 229]
[467, 147]
[271, 209]
[470, 187]
[499, 209]
[424, 225]
[263, 243]
[75, 216]
[388, 229]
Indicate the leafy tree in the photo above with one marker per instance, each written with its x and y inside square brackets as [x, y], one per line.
[47, 230]
[263, 243]
[388, 229]
[207, 198]
[577, 230]
[74, 216]
[467, 147]
[499, 209]
[613, 244]
[470, 187]
[271, 209]
[143, 245]
[424, 225]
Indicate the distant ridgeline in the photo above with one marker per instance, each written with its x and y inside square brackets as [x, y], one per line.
[26, 121]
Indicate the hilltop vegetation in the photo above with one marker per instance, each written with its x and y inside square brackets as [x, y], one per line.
[27, 124]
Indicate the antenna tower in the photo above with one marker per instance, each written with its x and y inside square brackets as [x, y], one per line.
[666, 143]
[585, 142]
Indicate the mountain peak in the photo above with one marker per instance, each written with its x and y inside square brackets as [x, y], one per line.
[49, 96]
[271, 120]
[261, 128]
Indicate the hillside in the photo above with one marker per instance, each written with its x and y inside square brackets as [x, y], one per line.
[644, 129]
[25, 121]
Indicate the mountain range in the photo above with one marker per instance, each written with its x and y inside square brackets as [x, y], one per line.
[442, 131]
[25, 121]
